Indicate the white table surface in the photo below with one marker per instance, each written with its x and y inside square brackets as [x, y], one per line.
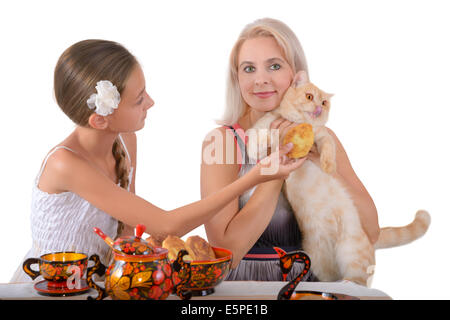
[227, 290]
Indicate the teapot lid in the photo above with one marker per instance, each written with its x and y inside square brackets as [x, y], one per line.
[134, 245]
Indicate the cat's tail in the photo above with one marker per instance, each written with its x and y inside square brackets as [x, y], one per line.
[393, 237]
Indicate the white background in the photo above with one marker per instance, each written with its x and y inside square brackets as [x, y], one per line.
[386, 61]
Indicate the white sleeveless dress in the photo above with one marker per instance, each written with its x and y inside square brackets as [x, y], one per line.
[65, 221]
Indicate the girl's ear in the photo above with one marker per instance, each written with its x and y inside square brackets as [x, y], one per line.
[300, 79]
[97, 121]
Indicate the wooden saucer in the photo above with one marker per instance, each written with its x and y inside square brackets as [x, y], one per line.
[48, 288]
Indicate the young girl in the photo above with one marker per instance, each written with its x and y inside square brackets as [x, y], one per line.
[263, 63]
[87, 180]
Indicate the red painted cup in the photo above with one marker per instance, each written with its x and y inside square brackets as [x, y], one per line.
[57, 267]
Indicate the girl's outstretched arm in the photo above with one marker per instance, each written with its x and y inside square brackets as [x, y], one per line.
[76, 175]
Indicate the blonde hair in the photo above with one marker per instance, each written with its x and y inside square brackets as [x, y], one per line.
[77, 72]
[290, 45]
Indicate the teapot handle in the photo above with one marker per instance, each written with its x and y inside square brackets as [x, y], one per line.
[177, 265]
[286, 263]
[99, 269]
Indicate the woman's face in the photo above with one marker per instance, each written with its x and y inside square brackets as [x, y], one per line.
[134, 103]
[263, 73]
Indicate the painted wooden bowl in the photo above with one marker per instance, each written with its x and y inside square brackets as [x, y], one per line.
[207, 274]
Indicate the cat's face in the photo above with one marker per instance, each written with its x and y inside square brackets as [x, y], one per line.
[305, 102]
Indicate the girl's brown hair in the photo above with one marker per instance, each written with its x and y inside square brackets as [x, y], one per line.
[77, 72]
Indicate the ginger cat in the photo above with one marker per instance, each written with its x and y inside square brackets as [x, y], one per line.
[332, 233]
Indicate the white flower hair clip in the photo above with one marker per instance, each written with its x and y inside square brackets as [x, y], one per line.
[106, 99]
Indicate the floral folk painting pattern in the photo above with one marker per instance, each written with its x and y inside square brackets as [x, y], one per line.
[139, 280]
[205, 276]
[55, 271]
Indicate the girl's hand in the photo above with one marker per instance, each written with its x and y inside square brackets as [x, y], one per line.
[278, 165]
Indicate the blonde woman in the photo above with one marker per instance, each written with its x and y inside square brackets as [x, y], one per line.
[87, 180]
[263, 63]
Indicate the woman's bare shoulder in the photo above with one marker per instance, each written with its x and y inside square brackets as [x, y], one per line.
[219, 161]
[219, 148]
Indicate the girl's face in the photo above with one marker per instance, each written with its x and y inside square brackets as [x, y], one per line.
[263, 73]
[134, 103]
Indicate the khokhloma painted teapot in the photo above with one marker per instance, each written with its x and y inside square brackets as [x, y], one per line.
[139, 271]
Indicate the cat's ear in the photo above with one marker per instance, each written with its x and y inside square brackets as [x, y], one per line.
[330, 95]
[300, 79]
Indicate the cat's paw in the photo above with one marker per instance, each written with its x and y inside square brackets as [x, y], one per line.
[257, 148]
[252, 148]
[327, 163]
[256, 152]
[252, 152]
[362, 281]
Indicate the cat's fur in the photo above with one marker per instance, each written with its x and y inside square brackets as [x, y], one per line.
[332, 233]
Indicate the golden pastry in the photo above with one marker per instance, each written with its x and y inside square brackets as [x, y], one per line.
[174, 245]
[153, 242]
[302, 136]
[199, 249]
